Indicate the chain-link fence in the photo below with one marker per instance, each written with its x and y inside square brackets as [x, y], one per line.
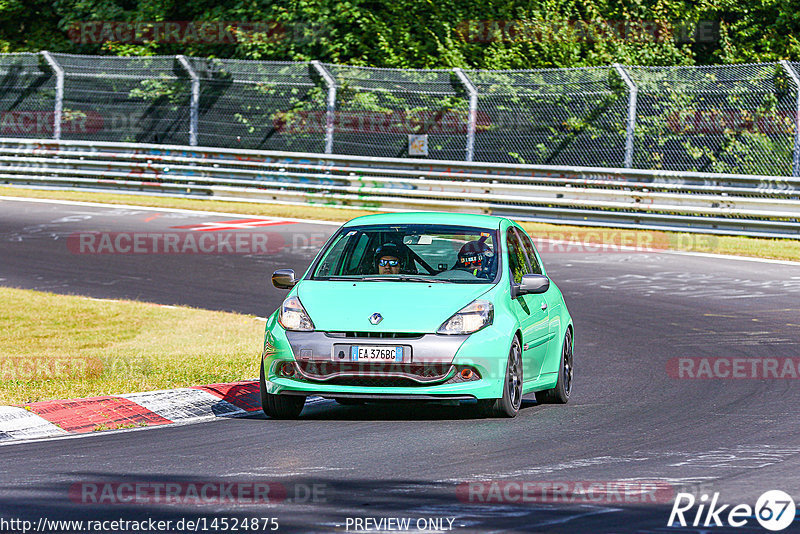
[259, 105]
[732, 118]
[728, 119]
[551, 117]
[27, 96]
[378, 109]
[130, 99]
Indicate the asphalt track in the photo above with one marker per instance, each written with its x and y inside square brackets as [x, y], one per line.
[627, 420]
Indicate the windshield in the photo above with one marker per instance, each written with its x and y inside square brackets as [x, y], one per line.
[410, 253]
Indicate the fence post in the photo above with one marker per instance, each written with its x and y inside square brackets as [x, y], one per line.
[473, 111]
[796, 152]
[58, 110]
[194, 103]
[331, 104]
[632, 102]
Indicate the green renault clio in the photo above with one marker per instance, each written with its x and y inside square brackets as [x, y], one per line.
[420, 306]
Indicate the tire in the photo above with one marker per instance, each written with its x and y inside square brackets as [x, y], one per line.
[279, 406]
[507, 405]
[560, 394]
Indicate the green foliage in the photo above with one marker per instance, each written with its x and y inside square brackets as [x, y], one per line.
[703, 124]
[160, 89]
[441, 33]
[761, 31]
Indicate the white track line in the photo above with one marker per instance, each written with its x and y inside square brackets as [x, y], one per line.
[682, 253]
[254, 317]
[171, 210]
[334, 223]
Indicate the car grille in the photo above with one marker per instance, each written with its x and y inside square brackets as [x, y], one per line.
[374, 374]
[375, 335]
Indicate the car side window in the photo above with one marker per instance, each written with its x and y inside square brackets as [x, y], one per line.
[332, 259]
[516, 257]
[338, 253]
[530, 250]
[357, 256]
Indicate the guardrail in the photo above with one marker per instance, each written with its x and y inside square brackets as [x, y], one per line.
[766, 206]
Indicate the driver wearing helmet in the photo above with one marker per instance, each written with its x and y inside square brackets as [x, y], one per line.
[475, 257]
[391, 258]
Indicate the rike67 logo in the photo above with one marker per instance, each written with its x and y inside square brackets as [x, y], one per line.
[774, 510]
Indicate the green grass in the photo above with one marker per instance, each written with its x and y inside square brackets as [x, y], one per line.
[58, 347]
[782, 249]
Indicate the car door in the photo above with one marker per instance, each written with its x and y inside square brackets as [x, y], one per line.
[547, 299]
[531, 310]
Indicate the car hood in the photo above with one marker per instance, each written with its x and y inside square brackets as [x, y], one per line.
[412, 307]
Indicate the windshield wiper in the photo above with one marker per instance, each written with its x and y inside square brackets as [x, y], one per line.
[404, 279]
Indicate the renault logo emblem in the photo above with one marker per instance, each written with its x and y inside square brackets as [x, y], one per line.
[375, 318]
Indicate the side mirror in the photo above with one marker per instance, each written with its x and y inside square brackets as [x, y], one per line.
[533, 284]
[284, 279]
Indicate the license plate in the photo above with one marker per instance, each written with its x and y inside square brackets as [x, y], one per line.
[371, 353]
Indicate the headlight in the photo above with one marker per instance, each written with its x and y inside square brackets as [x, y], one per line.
[294, 317]
[469, 319]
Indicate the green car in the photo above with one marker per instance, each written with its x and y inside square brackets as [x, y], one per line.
[419, 306]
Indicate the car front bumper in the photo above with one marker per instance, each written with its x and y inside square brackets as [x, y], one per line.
[442, 356]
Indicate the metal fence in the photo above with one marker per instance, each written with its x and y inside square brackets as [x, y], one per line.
[27, 96]
[377, 109]
[764, 206]
[725, 119]
[551, 117]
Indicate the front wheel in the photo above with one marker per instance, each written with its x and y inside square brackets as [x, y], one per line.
[279, 406]
[508, 405]
[560, 393]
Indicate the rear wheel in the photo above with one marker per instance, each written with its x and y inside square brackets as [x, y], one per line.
[560, 393]
[508, 405]
[279, 406]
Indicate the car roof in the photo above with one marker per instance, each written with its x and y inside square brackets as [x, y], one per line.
[429, 217]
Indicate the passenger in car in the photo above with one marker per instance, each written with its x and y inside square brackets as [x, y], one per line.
[475, 257]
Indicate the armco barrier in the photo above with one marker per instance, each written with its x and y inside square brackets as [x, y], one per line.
[666, 200]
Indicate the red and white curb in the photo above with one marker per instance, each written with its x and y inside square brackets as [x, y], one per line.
[56, 418]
